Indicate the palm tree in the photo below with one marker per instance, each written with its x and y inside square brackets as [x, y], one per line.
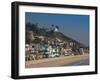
[29, 37]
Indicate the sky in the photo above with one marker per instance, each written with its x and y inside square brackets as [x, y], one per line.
[73, 26]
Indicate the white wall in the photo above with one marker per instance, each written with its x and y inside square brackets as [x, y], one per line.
[5, 40]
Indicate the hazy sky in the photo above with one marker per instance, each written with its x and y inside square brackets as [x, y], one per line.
[74, 26]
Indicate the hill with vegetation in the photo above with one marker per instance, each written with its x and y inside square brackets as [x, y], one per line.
[47, 32]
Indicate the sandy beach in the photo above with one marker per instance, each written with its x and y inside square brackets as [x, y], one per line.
[56, 62]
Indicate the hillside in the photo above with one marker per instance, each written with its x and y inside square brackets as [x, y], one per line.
[49, 33]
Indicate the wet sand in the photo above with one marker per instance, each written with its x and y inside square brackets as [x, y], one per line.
[55, 62]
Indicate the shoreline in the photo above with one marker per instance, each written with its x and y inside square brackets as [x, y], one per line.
[55, 62]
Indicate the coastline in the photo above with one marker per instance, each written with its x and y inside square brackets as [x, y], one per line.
[55, 62]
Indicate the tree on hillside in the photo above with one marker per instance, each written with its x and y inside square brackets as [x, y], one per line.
[57, 27]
